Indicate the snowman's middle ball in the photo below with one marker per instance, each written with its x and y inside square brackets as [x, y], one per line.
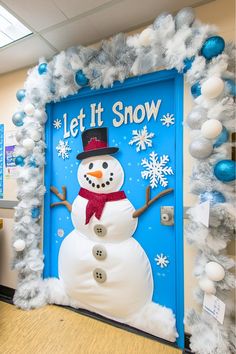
[101, 174]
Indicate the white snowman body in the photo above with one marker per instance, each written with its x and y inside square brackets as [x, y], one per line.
[106, 245]
[102, 268]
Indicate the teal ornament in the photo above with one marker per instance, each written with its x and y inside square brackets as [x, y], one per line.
[231, 85]
[196, 90]
[19, 161]
[213, 197]
[222, 138]
[188, 64]
[80, 78]
[35, 212]
[42, 68]
[18, 118]
[20, 95]
[212, 47]
[225, 170]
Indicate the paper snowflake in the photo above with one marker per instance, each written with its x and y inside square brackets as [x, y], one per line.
[156, 169]
[168, 119]
[63, 149]
[141, 138]
[162, 260]
[57, 123]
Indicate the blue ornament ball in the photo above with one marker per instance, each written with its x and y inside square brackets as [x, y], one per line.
[222, 138]
[19, 161]
[35, 212]
[80, 78]
[225, 170]
[42, 68]
[231, 85]
[213, 197]
[212, 47]
[18, 118]
[33, 164]
[188, 64]
[20, 95]
[196, 90]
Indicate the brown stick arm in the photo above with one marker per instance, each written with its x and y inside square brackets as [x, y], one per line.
[149, 201]
[62, 197]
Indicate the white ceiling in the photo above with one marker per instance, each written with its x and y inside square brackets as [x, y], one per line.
[59, 24]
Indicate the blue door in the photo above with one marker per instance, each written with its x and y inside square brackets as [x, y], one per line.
[144, 120]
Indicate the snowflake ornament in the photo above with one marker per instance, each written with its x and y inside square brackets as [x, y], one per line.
[168, 119]
[57, 123]
[162, 260]
[63, 149]
[142, 139]
[156, 169]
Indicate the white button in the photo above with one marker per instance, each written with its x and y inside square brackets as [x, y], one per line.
[100, 230]
[99, 275]
[99, 252]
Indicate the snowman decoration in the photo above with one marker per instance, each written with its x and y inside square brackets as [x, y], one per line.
[101, 267]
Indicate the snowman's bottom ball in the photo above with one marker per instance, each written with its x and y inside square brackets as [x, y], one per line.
[128, 285]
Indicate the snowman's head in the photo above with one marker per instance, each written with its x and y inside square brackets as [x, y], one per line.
[101, 174]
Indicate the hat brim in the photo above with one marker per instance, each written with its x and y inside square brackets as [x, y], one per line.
[97, 152]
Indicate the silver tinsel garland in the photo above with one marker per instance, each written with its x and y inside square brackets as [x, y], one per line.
[168, 42]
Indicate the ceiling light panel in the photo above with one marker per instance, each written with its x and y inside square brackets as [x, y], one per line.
[11, 29]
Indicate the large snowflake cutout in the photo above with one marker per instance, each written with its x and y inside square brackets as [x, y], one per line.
[142, 139]
[162, 260]
[63, 149]
[168, 119]
[156, 170]
[57, 123]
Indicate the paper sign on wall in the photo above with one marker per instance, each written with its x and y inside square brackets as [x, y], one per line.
[10, 143]
[215, 307]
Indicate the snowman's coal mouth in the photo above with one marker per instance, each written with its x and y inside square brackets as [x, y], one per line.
[101, 185]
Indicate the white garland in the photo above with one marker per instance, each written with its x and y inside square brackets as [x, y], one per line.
[168, 42]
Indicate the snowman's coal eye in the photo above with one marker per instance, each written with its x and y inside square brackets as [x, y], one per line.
[90, 165]
[105, 165]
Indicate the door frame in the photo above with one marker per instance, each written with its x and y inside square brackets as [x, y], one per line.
[152, 77]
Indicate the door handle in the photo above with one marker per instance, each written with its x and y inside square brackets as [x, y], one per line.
[167, 215]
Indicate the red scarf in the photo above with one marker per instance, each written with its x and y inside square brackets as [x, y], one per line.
[97, 201]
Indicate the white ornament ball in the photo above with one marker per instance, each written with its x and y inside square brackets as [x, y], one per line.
[28, 144]
[214, 271]
[211, 128]
[146, 37]
[29, 109]
[207, 286]
[212, 87]
[19, 245]
[35, 135]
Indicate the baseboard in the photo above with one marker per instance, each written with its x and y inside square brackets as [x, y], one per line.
[6, 295]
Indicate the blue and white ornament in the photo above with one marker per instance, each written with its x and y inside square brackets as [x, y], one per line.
[18, 118]
[212, 88]
[211, 128]
[35, 212]
[188, 62]
[222, 138]
[196, 89]
[42, 68]
[80, 78]
[20, 95]
[225, 170]
[19, 161]
[200, 148]
[212, 47]
[213, 197]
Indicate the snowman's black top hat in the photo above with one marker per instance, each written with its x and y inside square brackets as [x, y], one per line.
[95, 143]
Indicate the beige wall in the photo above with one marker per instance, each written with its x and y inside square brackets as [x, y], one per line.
[220, 13]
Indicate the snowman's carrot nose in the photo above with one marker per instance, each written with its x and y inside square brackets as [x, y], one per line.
[97, 174]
